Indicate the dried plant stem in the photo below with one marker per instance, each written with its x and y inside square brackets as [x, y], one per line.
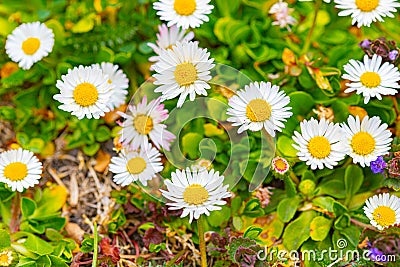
[311, 31]
[362, 225]
[202, 242]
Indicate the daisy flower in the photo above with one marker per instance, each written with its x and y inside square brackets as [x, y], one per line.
[132, 166]
[19, 169]
[197, 192]
[364, 12]
[383, 210]
[143, 122]
[29, 43]
[184, 13]
[6, 258]
[118, 80]
[370, 78]
[259, 105]
[366, 140]
[281, 12]
[183, 70]
[166, 38]
[84, 91]
[280, 165]
[320, 143]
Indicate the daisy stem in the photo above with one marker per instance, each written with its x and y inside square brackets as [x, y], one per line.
[95, 245]
[294, 178]
[311, 31]
[202, 242]
[389, 33]
[362, 225]
[15, 209]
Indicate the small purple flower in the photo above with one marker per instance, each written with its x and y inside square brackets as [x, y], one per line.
[393, 54]
[377, 255]
[379, 165]
[365, 44]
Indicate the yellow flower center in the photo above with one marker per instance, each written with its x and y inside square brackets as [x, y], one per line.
[185, 7]
[109, 81]
[258, 110]
[30, 45]
[86, 94]
[319, 147]
[5, 258]
[185, 74]
[367, 5]
[280, 164]
[143, 124]
[136, 165]
[370, 79]
[16, 171]
[384, 216]
[195, 194]
[363, 143]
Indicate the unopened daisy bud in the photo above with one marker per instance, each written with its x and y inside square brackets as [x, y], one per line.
[307, 187]
[280, 165]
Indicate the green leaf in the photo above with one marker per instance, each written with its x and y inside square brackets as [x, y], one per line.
[28, 207]
[56, 261]
[298, 231]
[301, 102]
[353, 179]
[92, 149]
[36, 145]
[334, 188]
[319, 228]
[190, 144]
[105, 55]
[102, 133]
[252, 232]
[53, 235]
[219, 217]
[37, 245]
[237, 222]
[86, 24]
[285, 146]
[342, 222]
[338, 208]
[5, 240]
[7, 113]
[287, 208]
[253, 208]
[358, 200]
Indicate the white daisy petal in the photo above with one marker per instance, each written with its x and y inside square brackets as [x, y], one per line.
[184, 13]
[366, 140]
[321, 143]
[371, 79]
[179, 72]
[118, 80]
[258, 106]
[203, 192]
[19, 169]
[383, 210]
[365, 12]
[84, 91]
[132, 166]
[29, 43]
[144, 122]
